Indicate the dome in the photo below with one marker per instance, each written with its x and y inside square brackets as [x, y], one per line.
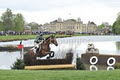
[79, 19]
[59, 20]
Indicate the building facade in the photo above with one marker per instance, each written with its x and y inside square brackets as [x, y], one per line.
[91, 27]
[70, 25]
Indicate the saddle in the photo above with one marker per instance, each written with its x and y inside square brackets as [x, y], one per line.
[38, 47]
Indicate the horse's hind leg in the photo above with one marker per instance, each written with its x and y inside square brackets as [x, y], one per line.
[49, 53]
[52, 52]
[49, 56]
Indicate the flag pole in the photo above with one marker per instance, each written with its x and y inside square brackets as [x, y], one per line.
[22, 53]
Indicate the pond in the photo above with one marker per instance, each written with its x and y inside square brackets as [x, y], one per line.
[78, 45]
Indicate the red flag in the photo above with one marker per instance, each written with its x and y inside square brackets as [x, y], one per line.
[20, 46]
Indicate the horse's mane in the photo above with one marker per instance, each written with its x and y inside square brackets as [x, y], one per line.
[48, 37]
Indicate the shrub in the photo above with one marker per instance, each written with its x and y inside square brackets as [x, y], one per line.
[79, 64]
[117, 66]
[19, 64]
[10, 47]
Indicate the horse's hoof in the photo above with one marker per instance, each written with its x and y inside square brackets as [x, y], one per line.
[52, 54]
[48, 57]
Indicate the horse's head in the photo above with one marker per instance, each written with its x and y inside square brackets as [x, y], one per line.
[53, 40]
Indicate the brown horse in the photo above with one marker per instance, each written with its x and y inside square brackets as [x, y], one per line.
[44, 49]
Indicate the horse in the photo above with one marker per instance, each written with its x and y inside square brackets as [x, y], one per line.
[44, 49]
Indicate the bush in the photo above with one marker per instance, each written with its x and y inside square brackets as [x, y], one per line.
[19, 64]
[117, 66]
[79, 64]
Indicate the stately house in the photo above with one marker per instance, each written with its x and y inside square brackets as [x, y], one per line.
[70, 25]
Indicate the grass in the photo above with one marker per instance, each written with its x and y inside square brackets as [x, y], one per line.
[23, 37]
[59, 75]
[16, 37]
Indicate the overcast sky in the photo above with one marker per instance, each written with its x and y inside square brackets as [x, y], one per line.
[44, 11]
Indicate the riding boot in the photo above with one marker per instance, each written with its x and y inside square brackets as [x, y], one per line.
[37, 50]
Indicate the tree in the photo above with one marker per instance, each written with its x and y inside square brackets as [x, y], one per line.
[10, 21]
[7, 19]
[104, 24]
[18, 22]
[116, 26]
[101, 26]
[1, 26]
[34, 25]
[113, 27]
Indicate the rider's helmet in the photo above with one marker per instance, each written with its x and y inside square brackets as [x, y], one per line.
[41, 34]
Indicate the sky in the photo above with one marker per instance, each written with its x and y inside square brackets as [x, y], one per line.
[45, 11]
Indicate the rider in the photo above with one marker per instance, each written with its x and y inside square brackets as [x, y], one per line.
[38, 40]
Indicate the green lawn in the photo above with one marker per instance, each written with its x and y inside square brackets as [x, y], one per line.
[16, 37]
[22, 37]
[59, 75]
